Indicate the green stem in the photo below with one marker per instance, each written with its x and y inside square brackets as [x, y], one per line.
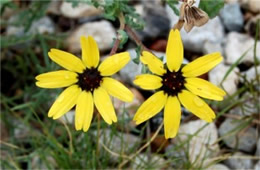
[122, 27]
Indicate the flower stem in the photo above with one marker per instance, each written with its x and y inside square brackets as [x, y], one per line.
[98, 134]
[132, 34]
[122, 27]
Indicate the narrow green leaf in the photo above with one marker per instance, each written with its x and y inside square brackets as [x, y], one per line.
[172, 4]
[233, 66]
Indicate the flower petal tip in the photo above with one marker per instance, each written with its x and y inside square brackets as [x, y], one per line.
[50, 115]
[77, 128]
[85, 130]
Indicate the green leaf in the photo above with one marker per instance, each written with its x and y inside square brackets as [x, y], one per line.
[172, 4]
[74, 3]
[138, 51]
[211, 7]
[11, 40]
[123, 38]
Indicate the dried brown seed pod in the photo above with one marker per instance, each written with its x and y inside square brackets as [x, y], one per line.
[191, 16]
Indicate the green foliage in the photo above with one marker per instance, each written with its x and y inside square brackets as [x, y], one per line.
[113, 8]
[7, 41]
[35, 11]
[49, 144]
[138, 51]
[123, 37]
[172, 4]
[7, 4]
[211, 7]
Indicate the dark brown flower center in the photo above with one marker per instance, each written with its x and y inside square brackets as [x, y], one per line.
[90, 79]
[173, 83]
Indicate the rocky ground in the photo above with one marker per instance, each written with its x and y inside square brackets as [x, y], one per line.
[232, 142]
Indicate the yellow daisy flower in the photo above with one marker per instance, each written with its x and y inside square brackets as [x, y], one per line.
[177, 86]
[87, 83]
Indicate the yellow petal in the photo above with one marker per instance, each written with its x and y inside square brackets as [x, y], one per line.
[117, 89]
[56, 79]
[66, 100]
[174, 51]
[148, 81]
[104, 105]
[150, 107]
[114, 63]
[84, 111]
[202, 65]
[196, 106]
[172, 117]
[154, 64]
[204, 89]
[66, 60]
[90, 51]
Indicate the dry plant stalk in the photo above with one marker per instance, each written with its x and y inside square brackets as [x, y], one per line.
[190, 16]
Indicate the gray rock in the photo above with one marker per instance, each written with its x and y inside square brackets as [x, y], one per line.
[217, 74]
[210, 47]
[102, 31]
[212, 32]
[251, 75]
[117, 142]
[234, 162]
[153, 161]
[252, 5]
[68, 117]
[157, 23]
[126, 111]
[41, 26]
[202, 146]
[246, 140]
[79, 11]
[232, 17]
[231, 1]
[237, 44]
[21, 130]
[218, 167]
[251, 26]
[173, 153]
[257, 166]
[195, 40]
[131, 70]
[54, 7]
[13, 29]
[47, 163]
[249, 107]
[258, 148]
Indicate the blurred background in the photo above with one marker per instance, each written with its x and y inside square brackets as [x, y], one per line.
[31, 140]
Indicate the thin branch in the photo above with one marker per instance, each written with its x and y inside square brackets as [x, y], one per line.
[113, 153]
[70, 136]
[132, 34]
[122, 27]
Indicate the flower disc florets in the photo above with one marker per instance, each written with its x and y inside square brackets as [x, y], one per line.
[173, 83]
[90, 79]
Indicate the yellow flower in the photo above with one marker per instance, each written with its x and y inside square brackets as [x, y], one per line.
[87, 83]
[177, 86]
